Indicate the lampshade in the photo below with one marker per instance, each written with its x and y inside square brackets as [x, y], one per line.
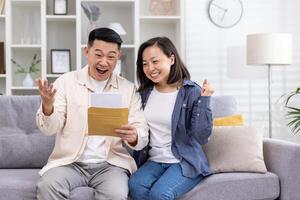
[117, 27]
[273, 48]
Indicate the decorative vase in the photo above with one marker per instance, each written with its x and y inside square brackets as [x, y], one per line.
[28, 81]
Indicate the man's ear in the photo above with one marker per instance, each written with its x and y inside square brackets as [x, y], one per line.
[86, 51]
[120, 54]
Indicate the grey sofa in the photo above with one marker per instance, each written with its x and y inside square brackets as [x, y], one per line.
[24, 150]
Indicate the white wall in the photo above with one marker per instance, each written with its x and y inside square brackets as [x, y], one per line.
[206, 58]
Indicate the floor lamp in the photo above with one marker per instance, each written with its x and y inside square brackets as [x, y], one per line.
[269, 49]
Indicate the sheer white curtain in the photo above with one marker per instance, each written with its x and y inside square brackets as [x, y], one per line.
[207, 48]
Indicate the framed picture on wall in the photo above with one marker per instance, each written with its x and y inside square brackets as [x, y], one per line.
[60, 7]
[60, 61]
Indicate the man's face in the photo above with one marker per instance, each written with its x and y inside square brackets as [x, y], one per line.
[102, 58]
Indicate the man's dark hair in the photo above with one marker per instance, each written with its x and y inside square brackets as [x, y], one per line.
[104, 34]
[178, 70]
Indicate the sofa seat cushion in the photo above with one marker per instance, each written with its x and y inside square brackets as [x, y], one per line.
[24, 150]
[236, 186]
[20, 184]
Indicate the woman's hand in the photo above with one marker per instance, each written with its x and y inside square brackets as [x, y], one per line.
[207, 89]
[47, 93]
[128, 133]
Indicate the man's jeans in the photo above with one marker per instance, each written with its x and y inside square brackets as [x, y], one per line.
[160, 181]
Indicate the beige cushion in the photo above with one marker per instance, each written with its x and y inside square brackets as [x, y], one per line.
[235, 149]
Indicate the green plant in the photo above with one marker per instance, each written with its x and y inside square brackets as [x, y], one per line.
[33, 68]
[293, 113]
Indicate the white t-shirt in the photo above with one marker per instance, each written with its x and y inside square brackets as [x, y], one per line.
[158, 113]
[95, 149]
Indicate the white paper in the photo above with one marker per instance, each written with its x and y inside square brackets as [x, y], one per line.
[106, 100]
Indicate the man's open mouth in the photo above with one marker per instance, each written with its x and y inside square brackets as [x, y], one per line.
[101, 71]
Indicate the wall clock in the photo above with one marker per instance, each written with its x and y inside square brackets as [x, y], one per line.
[225, 13]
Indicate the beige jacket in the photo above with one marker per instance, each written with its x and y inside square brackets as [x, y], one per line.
[69, 120]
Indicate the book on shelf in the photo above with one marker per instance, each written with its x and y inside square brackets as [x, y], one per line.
[2, 69]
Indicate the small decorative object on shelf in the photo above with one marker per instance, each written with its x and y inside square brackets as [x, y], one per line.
[60, 61]
[2, 6]
[92, 12]
[33, 68]
[60, 7]
[2, 69]
[161, 7]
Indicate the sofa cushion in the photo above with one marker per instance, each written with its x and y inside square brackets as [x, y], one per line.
[20, 184]
[222, 106]
[236, 148]
[236, 186]
[22, 145]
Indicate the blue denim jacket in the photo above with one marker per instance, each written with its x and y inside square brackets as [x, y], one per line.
[191, 127]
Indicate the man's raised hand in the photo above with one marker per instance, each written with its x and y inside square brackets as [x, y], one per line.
[47, 93]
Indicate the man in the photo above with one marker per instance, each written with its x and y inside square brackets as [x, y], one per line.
[78, 159]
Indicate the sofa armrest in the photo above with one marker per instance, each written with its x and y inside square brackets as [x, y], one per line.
[283, 159]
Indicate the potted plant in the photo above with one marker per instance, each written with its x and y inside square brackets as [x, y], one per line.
[293, 113]
[33, 68]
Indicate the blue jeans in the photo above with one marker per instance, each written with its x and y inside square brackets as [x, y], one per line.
[160, 181]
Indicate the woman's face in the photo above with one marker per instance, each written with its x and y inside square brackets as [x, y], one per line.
[157, 65]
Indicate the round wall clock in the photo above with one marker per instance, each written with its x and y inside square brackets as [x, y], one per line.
[225, 13]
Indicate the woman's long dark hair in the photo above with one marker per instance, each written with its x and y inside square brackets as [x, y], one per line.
[178, 71]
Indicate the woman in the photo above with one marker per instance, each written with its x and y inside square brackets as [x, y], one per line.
[180, 121]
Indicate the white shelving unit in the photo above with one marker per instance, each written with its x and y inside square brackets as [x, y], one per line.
[29, 27]
[2, 38]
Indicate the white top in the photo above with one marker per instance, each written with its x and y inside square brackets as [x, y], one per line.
[95, 150]
[158, 113]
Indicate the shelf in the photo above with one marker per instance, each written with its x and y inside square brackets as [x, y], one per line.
[26, 2]
[29, 28]
[53, 75]
[61, 18]
[124, 46]
[110, 1]
[122, 12]
[21, 1]
[128, 46]
[24, 46]
[23, 88]
[160, 17]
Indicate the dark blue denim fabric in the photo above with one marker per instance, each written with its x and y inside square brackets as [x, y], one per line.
[191, 127]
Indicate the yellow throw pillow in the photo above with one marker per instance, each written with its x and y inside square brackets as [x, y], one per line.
[233, 120]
